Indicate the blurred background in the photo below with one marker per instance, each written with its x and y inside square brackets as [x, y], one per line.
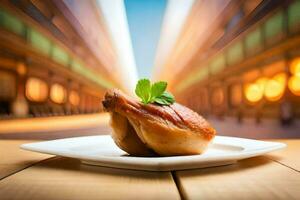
[236, 62]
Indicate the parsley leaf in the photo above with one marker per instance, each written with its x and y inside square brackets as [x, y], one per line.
[161, 101]
[165, 99]
[157, 89]
[168, 96]
[143, 90]
[154, 93]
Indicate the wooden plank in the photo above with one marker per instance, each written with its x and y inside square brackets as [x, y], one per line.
[255, 178]
[64, 178]
[288, 156]
[13, 159]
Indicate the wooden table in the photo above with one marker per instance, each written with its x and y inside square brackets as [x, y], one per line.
[27, 175]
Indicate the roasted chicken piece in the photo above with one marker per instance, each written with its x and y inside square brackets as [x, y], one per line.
[148, 130]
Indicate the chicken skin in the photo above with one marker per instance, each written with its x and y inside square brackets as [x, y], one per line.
[149, 130]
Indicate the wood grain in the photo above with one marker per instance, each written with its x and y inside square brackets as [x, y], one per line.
[13, 159]
[63, 178]
[290, 156]
[255, 178]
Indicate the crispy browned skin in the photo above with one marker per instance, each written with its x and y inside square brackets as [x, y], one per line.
[165, 130]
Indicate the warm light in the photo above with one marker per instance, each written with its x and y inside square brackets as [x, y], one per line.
[57, 93]
[261, 83]
[294, 85]
[36, 90]
[275, 87]
[74, 98]
[295, 67]
[253, 92]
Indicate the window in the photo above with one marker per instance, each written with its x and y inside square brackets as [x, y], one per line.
[74, 98]
[217, 97]
[7, 85]
[235, 94]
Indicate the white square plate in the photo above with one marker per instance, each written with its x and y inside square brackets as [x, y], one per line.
[102, 151]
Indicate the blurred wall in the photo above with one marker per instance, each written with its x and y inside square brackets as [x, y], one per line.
[245, 77]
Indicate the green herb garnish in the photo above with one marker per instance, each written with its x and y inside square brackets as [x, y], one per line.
[154, 93]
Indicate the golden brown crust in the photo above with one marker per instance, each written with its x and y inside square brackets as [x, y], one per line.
[179, 115]
[126, 138]
[167, 130]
